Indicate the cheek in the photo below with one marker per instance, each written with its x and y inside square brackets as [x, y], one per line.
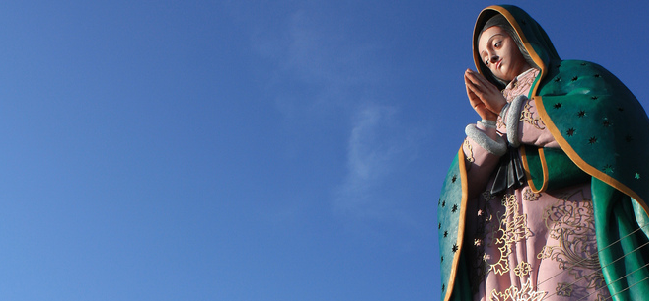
[516, 55]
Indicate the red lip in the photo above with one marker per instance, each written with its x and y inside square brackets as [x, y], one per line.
[498, 63]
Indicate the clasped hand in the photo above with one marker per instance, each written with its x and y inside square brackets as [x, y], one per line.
[484, 97]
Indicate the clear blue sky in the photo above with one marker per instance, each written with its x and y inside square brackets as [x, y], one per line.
[246, 150]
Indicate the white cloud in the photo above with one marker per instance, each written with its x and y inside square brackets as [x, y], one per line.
[317, 66]
[378, 147]
[320, 71]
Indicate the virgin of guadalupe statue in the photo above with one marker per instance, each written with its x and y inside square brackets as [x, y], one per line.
[547, 196]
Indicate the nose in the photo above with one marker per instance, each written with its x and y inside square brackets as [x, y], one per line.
[493, 58]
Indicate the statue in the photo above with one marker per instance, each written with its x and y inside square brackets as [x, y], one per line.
[547, 197]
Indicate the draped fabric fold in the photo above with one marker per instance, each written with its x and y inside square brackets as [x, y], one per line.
[510, 173]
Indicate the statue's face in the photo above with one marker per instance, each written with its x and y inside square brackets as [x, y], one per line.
[501, 54]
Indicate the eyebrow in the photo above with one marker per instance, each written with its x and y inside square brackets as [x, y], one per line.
[489, 41]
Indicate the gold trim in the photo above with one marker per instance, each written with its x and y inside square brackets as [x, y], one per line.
[462, 222]
[574, 157]
[528, 174]
[526, 168]
[546, 172]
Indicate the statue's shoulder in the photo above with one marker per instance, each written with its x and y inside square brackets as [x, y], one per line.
[570, 77]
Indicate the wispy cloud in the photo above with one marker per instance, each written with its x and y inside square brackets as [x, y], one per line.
[319, 71]
[378, 147]
[317, 66]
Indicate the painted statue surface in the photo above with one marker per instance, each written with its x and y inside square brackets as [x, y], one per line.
[547, 196]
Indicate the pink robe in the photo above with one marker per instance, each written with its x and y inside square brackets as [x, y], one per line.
[523, 245]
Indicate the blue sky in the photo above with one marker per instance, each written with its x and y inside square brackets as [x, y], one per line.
[246, 150]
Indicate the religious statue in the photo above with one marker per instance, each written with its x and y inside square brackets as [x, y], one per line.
[547, 196]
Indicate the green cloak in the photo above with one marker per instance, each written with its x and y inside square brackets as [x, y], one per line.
[602, 131]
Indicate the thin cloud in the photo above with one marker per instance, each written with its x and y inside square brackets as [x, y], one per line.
[318, 68]
[378, 147]
[321, 72]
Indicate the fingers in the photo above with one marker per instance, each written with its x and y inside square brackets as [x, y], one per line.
[480, 83]
[470, 84]
[472, 77]
[474, 87]
[477, 77]
[485, 92]
[473, 98]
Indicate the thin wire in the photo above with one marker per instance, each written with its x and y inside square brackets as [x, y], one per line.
[618, 279]
[630, 286]
[596, 271]
[598, 251]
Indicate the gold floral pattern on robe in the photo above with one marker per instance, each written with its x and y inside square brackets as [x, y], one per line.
[525, 293]
[572, 225]
[512, 227]
[528, 115]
